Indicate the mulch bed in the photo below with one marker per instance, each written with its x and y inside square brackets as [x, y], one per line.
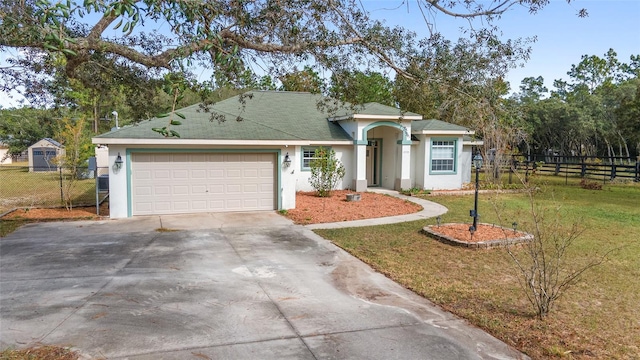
[312, 209]
[486, 235]
[82, 212]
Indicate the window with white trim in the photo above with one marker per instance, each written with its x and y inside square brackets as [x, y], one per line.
[308, 154]
[443, 156]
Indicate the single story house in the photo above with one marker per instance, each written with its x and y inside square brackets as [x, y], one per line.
[252, 152]
[43, 153]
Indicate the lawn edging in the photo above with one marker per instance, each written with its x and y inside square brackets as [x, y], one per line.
[428, 230]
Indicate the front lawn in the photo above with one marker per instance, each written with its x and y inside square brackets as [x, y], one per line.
[21, 188]
[596, 319]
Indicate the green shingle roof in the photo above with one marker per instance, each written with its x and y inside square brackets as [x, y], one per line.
[270, 115]
[435, 125]
[258, 115]
[379, 109]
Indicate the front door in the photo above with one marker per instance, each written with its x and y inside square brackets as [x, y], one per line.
[373, 162]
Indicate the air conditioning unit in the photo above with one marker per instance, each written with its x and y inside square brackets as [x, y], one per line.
[103, 183]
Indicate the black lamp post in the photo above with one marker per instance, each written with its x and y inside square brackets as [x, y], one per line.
[477, 163]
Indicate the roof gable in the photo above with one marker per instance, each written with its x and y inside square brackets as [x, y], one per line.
[373, 108]
[433, 125]
[256, 115]
[47, 142]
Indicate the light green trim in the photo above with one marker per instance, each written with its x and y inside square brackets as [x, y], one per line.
[360, 142]
[405, 134]
[404, 142]
[277, 153]
[455, 155]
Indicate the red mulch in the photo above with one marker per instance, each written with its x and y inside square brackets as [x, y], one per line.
[311, 209]
[83, 212]
[483, 232]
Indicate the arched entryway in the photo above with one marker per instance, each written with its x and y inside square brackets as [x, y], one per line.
[385, 149]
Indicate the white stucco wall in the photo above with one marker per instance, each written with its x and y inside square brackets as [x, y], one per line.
[344, 153]
[117, 183]
[420, 162]
[351, 127]
[433, 181]
[465, 163]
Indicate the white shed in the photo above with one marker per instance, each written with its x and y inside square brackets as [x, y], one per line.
[43, 153]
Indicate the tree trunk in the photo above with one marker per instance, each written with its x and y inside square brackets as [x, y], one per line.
[626, 146]
[95, 115]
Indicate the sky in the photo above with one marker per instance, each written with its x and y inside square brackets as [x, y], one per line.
[562, 36]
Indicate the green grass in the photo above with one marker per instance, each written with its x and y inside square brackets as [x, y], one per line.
[21, 188]
[7, 227]
[595, 319]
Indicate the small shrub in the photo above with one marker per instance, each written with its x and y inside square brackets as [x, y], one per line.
[412, 191]
[590, 185]
[545, 270]
[326, 171]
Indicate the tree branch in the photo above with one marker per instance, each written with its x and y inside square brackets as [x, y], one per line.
[100, 27]
[289, 49]
[496, 10]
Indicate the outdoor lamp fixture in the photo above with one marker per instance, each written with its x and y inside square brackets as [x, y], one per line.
[515, 226]
[438, 220]
[117, 165]
[287, 161]
[477, 163]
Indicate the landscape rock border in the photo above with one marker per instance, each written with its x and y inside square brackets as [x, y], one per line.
[429, 231]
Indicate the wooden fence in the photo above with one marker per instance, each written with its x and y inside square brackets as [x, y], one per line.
[590, 167]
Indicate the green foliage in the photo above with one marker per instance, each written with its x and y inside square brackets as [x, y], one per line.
[337, 36]
[175, 86]
[592, 114]
[414, 191]
[326, 171]
[306, 80]
[21, 128]
[360, 87]
[75, 137]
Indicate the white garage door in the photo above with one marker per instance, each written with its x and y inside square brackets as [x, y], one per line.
[201, 182]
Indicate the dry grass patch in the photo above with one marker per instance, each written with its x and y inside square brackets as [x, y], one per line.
[40, 353]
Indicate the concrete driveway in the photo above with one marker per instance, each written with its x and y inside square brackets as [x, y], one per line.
[234, 286]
